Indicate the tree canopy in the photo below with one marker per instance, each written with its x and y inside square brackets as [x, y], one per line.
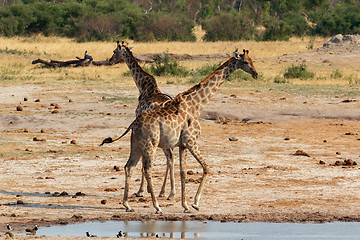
[173, 20]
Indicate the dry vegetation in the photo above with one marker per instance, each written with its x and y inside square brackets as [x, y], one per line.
[319, 116]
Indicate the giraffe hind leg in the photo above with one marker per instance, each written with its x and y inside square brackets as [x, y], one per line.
[148, 157]
[194, 150]
[135, 155]
[141, 188]
[169, 169]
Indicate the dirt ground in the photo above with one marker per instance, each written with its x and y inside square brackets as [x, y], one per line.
[280, 167]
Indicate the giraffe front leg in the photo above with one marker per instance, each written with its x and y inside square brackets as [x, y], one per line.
[147, 164]
[183, 155]
[194, 150]
[169, 168]
[141, 188]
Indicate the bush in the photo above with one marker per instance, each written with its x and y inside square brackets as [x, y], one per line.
[166, 66]
[298, 72]
[228, 27]
[171, 28]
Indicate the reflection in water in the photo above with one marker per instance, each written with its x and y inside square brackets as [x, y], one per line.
[211, 230]
[164, 235]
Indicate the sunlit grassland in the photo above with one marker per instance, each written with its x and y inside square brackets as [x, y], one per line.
[19, 52]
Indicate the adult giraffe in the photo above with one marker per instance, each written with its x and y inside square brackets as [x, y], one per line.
[150, 98]
[172, 124]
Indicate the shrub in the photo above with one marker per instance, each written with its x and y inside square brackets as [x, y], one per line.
[279, 79]
[228, 27]
[336, 74]
[171, 28]
[298, 72]
[166, 66]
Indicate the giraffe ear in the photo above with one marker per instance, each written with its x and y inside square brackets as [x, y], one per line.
[244, 51]
[117, 42]
[247, 51]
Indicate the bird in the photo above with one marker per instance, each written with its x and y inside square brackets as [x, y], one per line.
[90, 235]
[120, 234]
[32, 230]
[157, 236]
[9, 227]
[87, 56]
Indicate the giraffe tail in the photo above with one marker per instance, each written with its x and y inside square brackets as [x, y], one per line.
[110, 140]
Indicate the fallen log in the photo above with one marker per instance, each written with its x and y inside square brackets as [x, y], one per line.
[86, 61]
[147, 58]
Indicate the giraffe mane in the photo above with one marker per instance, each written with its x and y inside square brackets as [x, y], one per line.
[137, 64]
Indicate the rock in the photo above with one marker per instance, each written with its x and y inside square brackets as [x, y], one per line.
[286, 139]
[63, 194]
[70, 100]
[73, 142]
[55, 111]
[321, 162]
[37, 100]
[117, 168]
[79, 194]
[103, 98]
[19, 108]
[25, 99]
[103, 201]
[301, 153]
[77, 216]
[35, 139]
[110, 189]
[233, 139]
[19, 202]
[338, 163]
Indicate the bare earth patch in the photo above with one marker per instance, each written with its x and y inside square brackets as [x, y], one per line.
[261, 176]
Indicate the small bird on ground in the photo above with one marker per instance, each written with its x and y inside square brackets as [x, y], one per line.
[9, 227]
[87, 56]
[120, 234]
[32, 230]
[90, 235]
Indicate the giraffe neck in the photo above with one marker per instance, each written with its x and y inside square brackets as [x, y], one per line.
[198, 96]
[144, 81]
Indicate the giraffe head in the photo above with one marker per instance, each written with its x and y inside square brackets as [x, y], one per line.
[246, 63]
[119, 52]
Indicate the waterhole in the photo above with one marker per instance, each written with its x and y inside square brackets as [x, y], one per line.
[209, 230]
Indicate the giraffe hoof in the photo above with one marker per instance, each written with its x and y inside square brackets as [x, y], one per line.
[161, 195]
[170, 197]
[195, 207]
[139, 195]
[159, 212]
[130, 210]
[187, 211]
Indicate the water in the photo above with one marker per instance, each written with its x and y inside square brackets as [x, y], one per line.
[211, 230]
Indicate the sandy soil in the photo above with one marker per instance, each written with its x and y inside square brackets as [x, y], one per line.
[259, 177]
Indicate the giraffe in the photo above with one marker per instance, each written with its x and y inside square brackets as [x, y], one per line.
[150, 98]
[171, 125]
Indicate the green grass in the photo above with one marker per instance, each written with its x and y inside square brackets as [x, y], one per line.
[121, 99]
[15, 51]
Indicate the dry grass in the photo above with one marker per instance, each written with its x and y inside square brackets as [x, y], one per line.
[17, 68]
